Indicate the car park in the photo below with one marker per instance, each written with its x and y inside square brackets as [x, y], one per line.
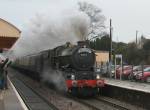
[136, 70]
[143, 76]
[124, 72]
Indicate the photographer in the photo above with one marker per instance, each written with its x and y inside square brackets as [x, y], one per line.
[3, 73]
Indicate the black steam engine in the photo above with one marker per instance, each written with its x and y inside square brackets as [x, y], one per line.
[76, 62]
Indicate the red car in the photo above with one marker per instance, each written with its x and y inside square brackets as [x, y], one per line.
[137, 70]
[125, 71]
[145, 76]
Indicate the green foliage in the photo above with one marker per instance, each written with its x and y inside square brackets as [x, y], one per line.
[102, 43]
[131, 53]
[146, 46]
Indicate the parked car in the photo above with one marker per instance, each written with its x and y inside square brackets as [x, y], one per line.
[136, 70]
[143, 76]
[125, 71]
[112, 70]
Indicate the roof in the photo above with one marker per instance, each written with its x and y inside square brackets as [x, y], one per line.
[10, 24]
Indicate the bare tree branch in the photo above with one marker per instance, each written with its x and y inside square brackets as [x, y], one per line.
[97, 20]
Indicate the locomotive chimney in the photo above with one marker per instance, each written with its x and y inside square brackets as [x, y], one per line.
[68, 44]
[83, 43]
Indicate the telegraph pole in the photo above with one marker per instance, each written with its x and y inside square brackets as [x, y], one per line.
[110, 51]
[136, 36]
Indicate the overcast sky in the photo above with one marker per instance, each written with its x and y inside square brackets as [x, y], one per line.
[127, 15]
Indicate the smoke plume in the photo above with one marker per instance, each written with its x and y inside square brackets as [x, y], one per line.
[47, 32]
[55, 77]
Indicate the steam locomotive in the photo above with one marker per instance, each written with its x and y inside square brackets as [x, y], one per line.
[76, 63]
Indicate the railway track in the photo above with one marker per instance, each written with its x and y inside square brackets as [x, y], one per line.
[105, 103]
[116, 104]
[67, 102]
[52, 97]
[100, 105]
[32, 99]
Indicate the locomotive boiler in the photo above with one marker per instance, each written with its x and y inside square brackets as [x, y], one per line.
[76, 63]
[79, 57]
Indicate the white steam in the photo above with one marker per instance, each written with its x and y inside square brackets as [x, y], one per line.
[47, 32]
[55, 77]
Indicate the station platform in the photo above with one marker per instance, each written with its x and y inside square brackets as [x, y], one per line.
[10, 99]
[143, 87]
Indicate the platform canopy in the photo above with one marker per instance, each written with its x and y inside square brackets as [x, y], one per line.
[8, 34]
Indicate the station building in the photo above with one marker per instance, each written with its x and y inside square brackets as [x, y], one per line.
[8, 34]
[102, 57]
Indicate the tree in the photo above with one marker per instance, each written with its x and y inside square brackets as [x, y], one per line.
[146, 45]
[105, 43]
[102, 43]
[131, 53]
[96, 19]
[146, 51]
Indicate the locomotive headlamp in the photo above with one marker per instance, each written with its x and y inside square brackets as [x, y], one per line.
[113, 71]
[73, 77]
[97, 76]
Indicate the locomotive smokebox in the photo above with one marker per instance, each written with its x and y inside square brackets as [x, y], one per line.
[83, 43]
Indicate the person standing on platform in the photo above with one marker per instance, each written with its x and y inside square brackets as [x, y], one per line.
[3, 76]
